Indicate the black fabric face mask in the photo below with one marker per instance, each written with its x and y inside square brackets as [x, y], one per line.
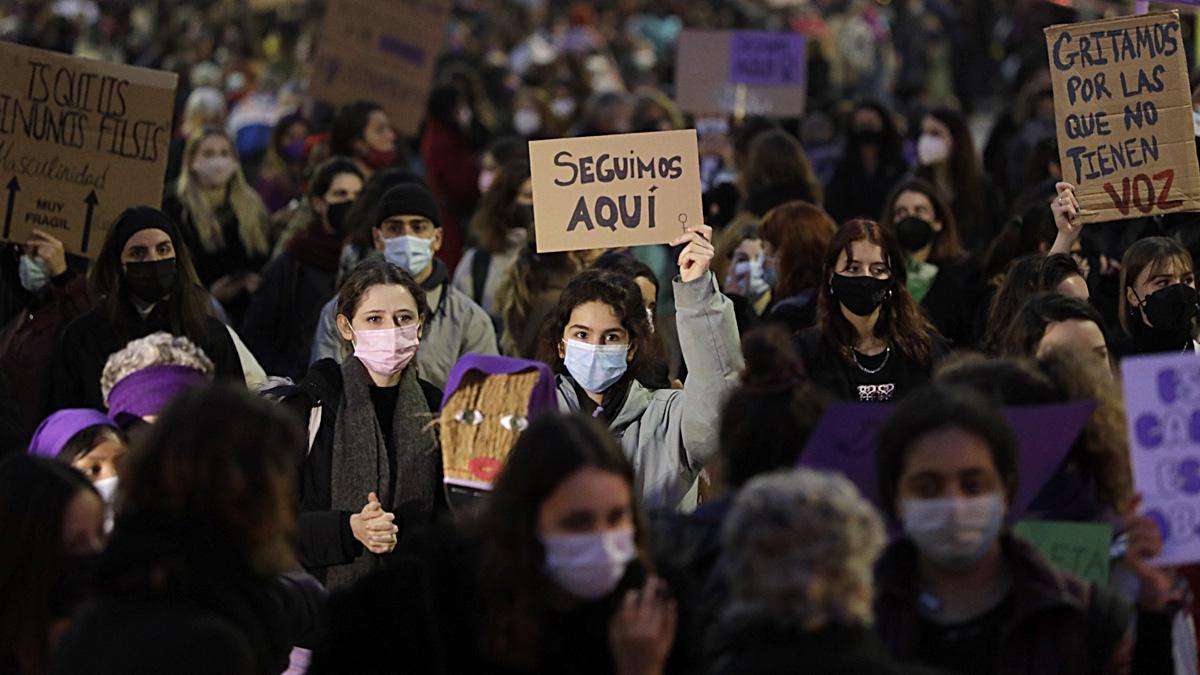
[1170, 312]
[913, 233]
[860, 295]
[335, 215]
[863, 137]
[520, 216]
[151, 281]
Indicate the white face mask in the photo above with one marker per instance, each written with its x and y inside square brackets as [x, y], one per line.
[411, 254]
[465, 117]
[486, 178]
[563, 107]
[1196, 122]
[596, 367]
[954, 533]
[214, 171]
[753, 271]
[32, 274]
[589, 566]
[527, 122]
[932, 150]
[107, 488]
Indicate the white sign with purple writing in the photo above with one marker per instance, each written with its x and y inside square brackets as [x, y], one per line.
[1162, 405]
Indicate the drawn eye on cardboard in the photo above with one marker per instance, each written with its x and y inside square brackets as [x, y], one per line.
[489, 402]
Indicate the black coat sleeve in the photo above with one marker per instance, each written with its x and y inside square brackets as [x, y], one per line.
[326, 539]
[12, 440]
[224, 354]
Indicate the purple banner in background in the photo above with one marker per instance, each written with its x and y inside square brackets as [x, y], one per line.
[767, 59]
[846, 440]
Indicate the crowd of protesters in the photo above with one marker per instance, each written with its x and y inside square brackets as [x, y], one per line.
[232, 442]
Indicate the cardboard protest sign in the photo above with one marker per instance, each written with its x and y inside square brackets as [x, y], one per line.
[1162, 406]
[846, 440]
[80, 141]
[614, 191]
[380, 51]
[1122, 107]
[1079, 548]
[741, 73]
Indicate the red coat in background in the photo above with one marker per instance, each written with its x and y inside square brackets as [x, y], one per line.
[452, 171]
[30, 340]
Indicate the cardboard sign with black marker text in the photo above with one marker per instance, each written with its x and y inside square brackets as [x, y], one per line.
[1123, 110]
[380, 51]
[80, 141]
[614, 191]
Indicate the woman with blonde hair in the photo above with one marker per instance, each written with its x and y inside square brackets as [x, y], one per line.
[223, 219]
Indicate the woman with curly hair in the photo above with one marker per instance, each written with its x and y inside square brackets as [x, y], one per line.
[143, 378]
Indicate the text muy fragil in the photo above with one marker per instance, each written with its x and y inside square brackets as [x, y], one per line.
[56, 107]
[1145, 190]
[606, 211]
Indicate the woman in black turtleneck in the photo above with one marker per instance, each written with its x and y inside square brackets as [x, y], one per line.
[1158, 300]
[146, 282]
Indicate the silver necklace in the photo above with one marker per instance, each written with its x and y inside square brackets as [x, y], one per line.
[887, 354]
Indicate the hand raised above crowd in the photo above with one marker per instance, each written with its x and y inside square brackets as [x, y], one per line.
[696, 257]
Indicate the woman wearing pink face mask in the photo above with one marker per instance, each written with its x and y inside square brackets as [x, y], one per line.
[373, 466]
[222, 218]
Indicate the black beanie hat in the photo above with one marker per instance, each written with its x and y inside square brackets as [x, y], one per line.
[407, 199]
[138, 218]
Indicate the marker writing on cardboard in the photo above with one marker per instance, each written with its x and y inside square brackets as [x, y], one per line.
[58, 106]
[606, 211]
[1137, 86]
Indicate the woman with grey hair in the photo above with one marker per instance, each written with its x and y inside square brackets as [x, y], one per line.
[799, 551]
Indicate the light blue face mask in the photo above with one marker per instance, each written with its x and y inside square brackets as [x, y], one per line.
[34, 276]
[596, 367]
[412, 254]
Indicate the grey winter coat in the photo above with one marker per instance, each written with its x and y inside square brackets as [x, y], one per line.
[455, 326]
[668, 435]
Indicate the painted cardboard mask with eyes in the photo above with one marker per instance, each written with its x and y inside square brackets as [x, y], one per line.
[489, 401]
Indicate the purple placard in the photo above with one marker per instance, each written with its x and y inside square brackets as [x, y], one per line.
[846, 438]
[767, 59]
[1162, 406]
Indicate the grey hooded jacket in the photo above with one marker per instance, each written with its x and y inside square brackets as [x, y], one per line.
[668, 435]
[456, 326]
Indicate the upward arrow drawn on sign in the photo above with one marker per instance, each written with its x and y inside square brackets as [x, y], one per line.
[14, 187]
[91, 202]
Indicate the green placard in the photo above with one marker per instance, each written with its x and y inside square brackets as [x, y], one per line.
[1079, 548]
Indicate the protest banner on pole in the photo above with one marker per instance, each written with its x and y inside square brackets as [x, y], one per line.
[847, 437]
[1122, 108]
[80, 141]
[1162, 407]
[380, 51]
[615, 191]
[741, 73]
[1079, 548]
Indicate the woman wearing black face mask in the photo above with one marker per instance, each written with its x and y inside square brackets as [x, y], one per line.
[282, 318]
[146, 282]
[871, 342]
[872, 161]
[938, 270]
[1158, 303]
[500, 229]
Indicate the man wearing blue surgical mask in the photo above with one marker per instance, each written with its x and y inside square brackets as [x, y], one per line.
[408, 234]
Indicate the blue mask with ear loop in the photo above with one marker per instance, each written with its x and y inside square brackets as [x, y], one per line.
[596, 367]
[33, 274]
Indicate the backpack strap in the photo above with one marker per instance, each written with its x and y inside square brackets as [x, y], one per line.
[480, 264]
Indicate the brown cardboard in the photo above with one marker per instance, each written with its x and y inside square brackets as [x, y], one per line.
[590, 206]
[703, 86]
[380, 51]
[80, 141]
[1120, 169]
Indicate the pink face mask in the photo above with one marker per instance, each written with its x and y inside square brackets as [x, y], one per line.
[386, 351]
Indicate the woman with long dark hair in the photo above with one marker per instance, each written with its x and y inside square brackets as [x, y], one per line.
[1159, 306]
[146, 282]
[597, 339]
[871, 341]
[553, 576]
[500, 228]
[51, 523]
[947, 158]
[197, 577]
[872, 162]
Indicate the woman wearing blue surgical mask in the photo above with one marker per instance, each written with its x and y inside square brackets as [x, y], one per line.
[408, 233]
[957, 591]
[596, 340]
[53, 290]
[553, 576]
